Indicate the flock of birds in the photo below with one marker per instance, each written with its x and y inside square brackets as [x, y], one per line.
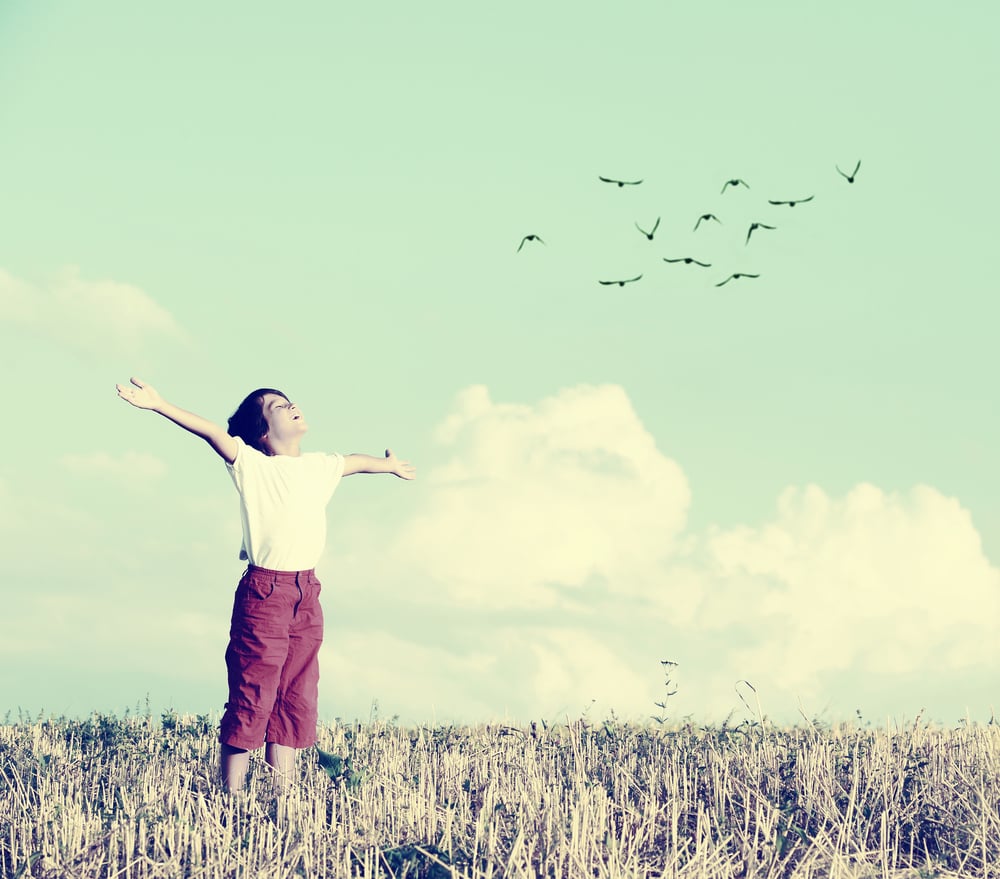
[650, 233]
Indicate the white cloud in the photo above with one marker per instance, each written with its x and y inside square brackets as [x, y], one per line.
[515, 673]
[94, 316]
[567, 515]
[18, 303]
[558, 493]
[572, 668]
[133, 469]
[417, 681]
[885, 582]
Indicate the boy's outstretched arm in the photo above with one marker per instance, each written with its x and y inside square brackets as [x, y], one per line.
[145, 396]
[369, 464]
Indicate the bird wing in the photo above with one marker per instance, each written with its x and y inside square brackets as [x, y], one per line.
[519, 246]
[704, 265]
[656, 225]
[726, 281]
[608, 179]
[772, 201]
[636, 278]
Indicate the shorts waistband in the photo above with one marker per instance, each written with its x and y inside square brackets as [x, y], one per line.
[280, 575]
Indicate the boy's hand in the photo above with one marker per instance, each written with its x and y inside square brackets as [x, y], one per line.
[402, 469]
[142, 396]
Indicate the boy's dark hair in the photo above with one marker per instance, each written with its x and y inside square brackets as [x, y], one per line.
[248, 423]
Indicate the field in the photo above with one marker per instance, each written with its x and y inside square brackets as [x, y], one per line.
[137, 797]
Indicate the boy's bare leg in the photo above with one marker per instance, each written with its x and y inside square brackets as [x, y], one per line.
[233, 767]
[281, 758]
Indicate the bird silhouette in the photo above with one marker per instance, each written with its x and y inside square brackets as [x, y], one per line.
[736, 181]
[850, 177]
[620, 183]
[756, 226]
[707, 217]
[529, 238]
[622, 283]
[650, 234]
[688, 260]
[791, 202]
[736, 275]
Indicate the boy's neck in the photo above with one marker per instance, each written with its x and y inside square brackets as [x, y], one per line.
[288, 449]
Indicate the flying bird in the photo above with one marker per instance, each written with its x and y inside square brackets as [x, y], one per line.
[650, 234]
[734, 276]
[707, 217]
[688, 260]
[756, 226]
[734, 182]
[529, 238]
[850, 177]
[791, 202]
[622, 283]
[620, 182]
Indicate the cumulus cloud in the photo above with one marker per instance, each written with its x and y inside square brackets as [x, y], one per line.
[559, 493]
[566, 516]
[885, 582]
[93, 316]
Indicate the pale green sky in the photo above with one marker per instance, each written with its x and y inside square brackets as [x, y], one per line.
[329, 201]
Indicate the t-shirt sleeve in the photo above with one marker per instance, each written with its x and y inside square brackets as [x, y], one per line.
[337, 467]
[236, 468]
[246, 465]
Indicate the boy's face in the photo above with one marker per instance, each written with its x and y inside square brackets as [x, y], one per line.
[284, 420]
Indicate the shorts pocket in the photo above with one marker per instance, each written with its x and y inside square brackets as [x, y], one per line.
[255, 586]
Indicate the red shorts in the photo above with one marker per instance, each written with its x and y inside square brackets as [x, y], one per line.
[272, 660]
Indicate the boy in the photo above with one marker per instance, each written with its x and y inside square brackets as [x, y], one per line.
[277, 623]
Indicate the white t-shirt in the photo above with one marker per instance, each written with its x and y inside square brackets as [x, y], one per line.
[283, 505]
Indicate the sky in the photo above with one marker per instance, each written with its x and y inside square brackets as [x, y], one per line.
[786, 485]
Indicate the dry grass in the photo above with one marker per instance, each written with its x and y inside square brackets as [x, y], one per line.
[132, 797]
